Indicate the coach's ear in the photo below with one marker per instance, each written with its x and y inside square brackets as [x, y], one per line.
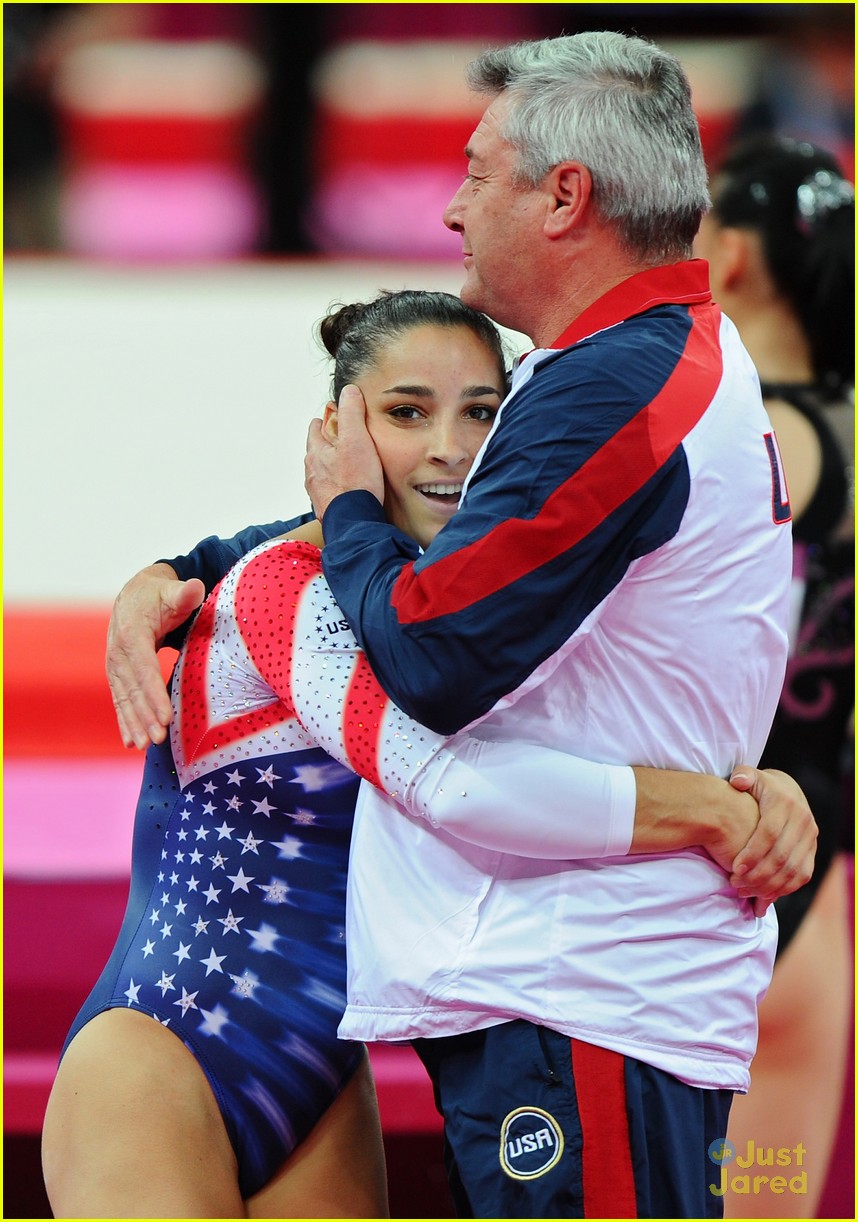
[329, 421]
[569, 188]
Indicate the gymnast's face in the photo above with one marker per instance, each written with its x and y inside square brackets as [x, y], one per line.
[431, 397]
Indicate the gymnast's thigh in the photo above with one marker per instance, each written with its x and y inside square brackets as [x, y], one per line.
[133, 1129]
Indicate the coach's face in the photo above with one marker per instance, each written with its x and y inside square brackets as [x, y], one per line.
[499, 221]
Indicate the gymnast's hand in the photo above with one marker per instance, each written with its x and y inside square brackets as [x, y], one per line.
[149, 606]
[779, 856]
[340, 455]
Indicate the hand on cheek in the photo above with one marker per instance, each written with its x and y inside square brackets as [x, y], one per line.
[340, 454]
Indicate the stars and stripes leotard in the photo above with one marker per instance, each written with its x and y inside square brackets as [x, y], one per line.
[234, 932]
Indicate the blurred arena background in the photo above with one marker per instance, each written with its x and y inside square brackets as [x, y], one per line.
[187, 189]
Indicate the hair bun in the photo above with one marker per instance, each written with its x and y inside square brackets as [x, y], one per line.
[338, 323]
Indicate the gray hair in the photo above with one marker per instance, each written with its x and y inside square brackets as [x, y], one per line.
[622, 107]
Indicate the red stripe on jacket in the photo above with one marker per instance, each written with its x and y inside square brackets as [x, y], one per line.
[518, 546]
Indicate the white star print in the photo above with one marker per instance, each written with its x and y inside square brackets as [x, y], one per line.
[166, 930]
[313, 777]
[132, 991]
[230, 922]
[263, 808]
[290, 848]
[268, 777]
[240, 880]
[213, 963]
[244, 985]
[224, 832]
[235, 778]
[213, 1020]
[195, 857]
[234, 803]
[165, 983]
[200, 926]
[209, 787]
[193, 883]
[305, 817]
[250, 844]
[264, 938]
[277, 891]
[148, 949]
[184, 952]
[212, 894]
[208, 809]
[186, 1001]
[218, 861]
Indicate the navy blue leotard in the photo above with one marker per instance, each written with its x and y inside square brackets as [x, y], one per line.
[234, 931]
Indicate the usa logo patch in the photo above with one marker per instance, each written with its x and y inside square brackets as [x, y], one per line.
[531, 1143]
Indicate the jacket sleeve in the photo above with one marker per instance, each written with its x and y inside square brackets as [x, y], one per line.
[559, 506]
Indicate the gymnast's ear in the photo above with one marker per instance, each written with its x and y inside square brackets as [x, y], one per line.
[329, 421]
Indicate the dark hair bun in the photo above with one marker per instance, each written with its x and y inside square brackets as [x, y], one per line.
[335, 325]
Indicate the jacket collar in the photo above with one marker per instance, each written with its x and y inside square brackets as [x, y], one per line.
[685, 283]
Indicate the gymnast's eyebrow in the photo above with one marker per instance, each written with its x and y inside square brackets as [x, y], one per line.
[426, 392]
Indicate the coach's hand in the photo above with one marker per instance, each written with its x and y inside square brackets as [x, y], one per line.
[779, 857]
[340, 455]
[150, 605]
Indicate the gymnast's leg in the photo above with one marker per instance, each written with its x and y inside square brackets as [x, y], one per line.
[132, 1128]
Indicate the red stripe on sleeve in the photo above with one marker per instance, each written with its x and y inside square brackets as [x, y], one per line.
[363, 711]
[607, 1173]
[614, 473]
